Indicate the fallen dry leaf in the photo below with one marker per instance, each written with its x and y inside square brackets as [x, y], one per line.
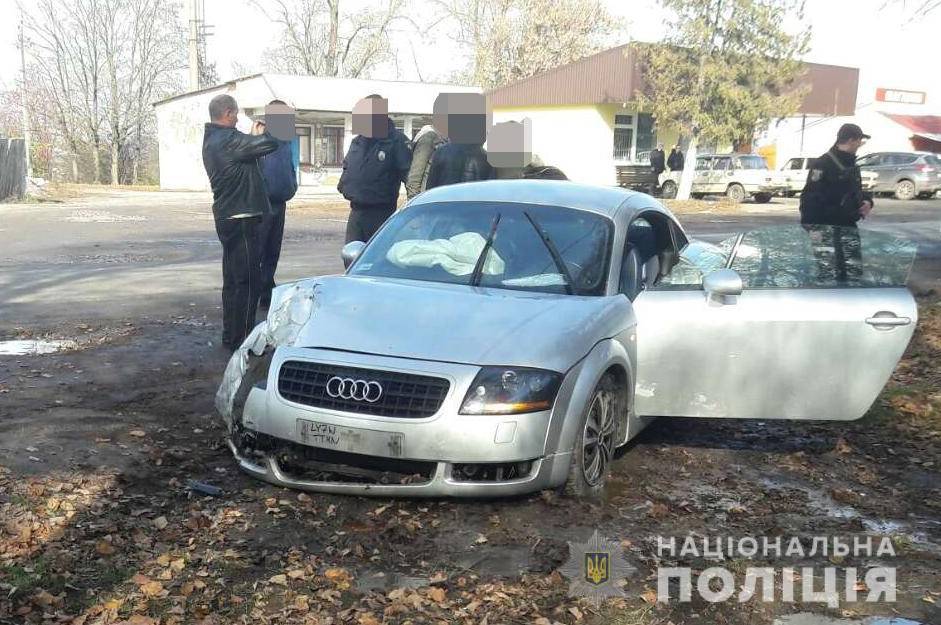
[281, 579]
[105, 548]
[138, 433]
[649, 596]
[160, 522]
[151, 589]
[437, 595]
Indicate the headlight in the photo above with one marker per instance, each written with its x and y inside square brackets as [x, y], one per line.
[511, 390]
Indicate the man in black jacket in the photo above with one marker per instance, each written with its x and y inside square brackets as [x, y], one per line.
[239, 202]
[676, 158]
[463, 119]
[833, 195]
[375, 166]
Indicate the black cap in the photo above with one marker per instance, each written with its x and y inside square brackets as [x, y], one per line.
[850, 131]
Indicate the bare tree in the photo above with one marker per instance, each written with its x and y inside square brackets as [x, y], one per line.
[100, 64]
[509, 40]
[318, 38]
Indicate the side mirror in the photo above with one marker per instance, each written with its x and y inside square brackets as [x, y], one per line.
[351, 252]
[723, 282]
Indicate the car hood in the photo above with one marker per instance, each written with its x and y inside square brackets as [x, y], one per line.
[460, 324]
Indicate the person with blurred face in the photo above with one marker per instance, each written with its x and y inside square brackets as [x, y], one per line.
[676, 159]
[239, 204]
[374, 168]
[280, 177]
[463, 119]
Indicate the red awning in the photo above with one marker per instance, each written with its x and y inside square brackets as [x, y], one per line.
[927, 126]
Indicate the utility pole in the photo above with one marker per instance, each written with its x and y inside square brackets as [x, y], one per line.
[193, 41]
[26, 137]
[200, 71]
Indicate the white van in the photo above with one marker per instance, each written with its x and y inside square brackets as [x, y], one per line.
[737, 176]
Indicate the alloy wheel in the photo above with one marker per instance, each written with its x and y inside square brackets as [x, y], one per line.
[598, 438]
[905, 190]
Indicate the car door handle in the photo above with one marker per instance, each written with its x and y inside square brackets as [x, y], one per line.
[888, 321]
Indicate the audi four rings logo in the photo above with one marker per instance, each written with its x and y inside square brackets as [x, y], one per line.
[357, 390]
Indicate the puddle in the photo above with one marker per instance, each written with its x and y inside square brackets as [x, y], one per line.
[808, 618]
[380, 580]
[818, 500]
[32, 347]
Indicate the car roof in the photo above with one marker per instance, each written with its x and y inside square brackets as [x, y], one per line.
[602, 200]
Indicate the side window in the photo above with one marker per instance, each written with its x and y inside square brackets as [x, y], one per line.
[650, 252]
[697, 260]
[722, 164]
[904, 159]
[703, 163]
[795, 163]
[870, 160]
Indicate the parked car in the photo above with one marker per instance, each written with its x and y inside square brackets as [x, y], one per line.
[795, 170]
[503, 337]
[906, 175]
[737, 176]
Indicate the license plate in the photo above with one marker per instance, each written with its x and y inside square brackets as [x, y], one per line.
[353, 440]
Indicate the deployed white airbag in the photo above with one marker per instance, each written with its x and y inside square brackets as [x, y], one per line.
[457, 255]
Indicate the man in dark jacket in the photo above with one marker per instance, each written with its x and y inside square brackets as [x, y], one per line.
[463, 119]
[676, 159]
[375, 166]
[280, 177]
[834, 194]
[657, 163]
[239, 202]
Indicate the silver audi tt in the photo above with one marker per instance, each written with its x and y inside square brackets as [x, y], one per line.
[503, 337]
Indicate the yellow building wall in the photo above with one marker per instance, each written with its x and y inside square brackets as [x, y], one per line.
[578, 139]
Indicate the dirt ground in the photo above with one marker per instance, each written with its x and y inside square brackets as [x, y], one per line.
[97, 524]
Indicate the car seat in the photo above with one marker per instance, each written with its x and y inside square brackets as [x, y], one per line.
[631, 281]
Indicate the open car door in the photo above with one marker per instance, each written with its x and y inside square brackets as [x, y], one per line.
[822, 318]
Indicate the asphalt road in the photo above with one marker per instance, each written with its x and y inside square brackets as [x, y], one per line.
[131, 254]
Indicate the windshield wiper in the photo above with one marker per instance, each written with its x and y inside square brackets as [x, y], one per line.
[554, 252]
[479, 267]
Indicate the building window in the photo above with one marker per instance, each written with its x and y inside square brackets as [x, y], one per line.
[646, 137]
[623, 137]
[332, 146]
[303, 138]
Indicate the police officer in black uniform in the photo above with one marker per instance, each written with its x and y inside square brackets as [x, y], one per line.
[834, 193]
[375, 166]
[832, 202]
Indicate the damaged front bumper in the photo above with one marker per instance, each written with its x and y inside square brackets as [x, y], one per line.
[283, 441]
[290, 440]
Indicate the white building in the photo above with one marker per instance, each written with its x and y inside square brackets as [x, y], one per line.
[895, 126]
[324, 119]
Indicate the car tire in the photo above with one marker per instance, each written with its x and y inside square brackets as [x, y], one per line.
[904, 190]
[668, 190]
[735, 192]
[762, 198]
[596, 442]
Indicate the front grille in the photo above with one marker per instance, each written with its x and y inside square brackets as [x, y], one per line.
[404, 395]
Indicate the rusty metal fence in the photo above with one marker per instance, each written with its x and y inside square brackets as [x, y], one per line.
[12, 168]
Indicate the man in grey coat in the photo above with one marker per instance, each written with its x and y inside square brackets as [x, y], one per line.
[426, 142]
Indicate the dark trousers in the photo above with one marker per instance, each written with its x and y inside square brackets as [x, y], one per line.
[270, 236]
[241, 277]
[366, 219]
